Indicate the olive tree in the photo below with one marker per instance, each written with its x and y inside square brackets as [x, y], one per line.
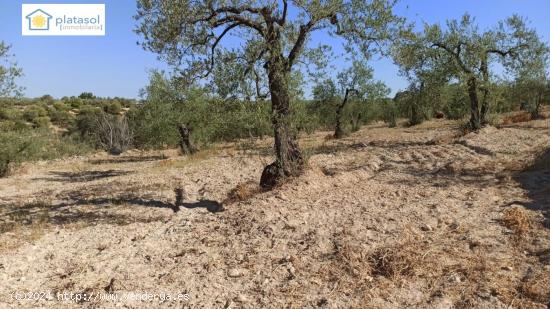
[531, 81]
[273, 36]
[467, 53]
[426, 72]
[9, 72]
[352, 81]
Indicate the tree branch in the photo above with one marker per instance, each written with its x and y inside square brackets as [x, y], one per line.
[281, 21]
[508, 52]
[456, 55]
[296, 49]
[241, 21]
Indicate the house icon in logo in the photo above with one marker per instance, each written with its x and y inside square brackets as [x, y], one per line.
[39, 20]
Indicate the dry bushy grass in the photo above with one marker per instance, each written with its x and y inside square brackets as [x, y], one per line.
[517, 220]
[399, 260]
[242, 192]
[537, 287]
[522, 117]
[184, 161]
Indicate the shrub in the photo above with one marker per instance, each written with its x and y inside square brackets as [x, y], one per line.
[10, 114]
[74, 102]
[60, 106]
[11, 152]
[60, 117]
[113, 133]
[13, 125]
[35, 144]
[302, 120]
[34, 111]
[85, 122]
[390, 114]
[112, 107]
[41, 122]
[46, 99]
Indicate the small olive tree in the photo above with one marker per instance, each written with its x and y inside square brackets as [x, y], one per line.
[352, 81]
[274, 36]
[532, 84]
[9, 72]
[464, 52]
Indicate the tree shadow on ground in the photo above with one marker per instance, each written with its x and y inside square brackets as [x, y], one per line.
[83, 176]
[535, 180]
[128, 159]
[91, 211]
[210, 205]
[443, 178]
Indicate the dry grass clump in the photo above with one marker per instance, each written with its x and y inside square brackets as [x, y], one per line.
[352, 259]
[522, 117]
[403, 259]
[346, 270]
[537, 287]
[242, 192]
[517, 220]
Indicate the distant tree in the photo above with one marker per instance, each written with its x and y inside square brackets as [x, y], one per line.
[188, 35]
[324, 91]
[357, 81]
[9, 72]
[532, 84]
[86, 95]
[466, 53]
[427, 74]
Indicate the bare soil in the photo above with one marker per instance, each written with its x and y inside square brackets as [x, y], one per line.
[384, 218]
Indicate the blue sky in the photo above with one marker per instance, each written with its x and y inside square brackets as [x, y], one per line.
[114, 65]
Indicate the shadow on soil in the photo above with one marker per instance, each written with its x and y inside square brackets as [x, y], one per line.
[83, 176]
[91, 211]
[128, 159]
[535, 180]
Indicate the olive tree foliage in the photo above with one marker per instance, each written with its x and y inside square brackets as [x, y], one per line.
[9, 72]
[353, 84]
[465, 52]
[273, 37]
[357, 82]
[531, 84]
[427, 74]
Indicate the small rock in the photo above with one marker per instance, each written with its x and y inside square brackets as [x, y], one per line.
[426, 228]
[242, 298]
[508, 268]
[454, 226]
[291, 269]
[456, 278]
[235, 273]
[443, 303]
[228, 305]
[483, 294]
[281, 196]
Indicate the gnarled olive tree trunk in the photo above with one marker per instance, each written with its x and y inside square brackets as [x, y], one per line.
[338, 131]
[475, 121]
[185, 143]
[484, 93]
[289, 160]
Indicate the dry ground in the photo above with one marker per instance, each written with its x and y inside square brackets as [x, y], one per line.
[385, 218]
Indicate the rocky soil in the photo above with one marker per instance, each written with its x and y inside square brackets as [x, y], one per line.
[384, 218]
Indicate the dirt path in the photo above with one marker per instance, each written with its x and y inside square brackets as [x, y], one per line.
[386, 218]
